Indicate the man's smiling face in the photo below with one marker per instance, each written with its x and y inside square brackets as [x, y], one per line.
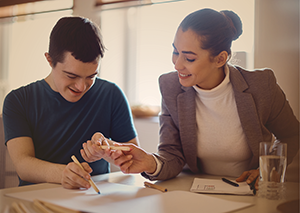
[72, 78]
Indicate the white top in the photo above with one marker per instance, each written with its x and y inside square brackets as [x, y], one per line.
[222, 147]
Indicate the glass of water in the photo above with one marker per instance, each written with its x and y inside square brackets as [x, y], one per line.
[272, 167]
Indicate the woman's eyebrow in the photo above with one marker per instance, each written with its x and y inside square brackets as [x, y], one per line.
[188, 52]
[185, 52]
[174, 46]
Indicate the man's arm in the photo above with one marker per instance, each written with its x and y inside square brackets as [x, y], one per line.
[31, 169]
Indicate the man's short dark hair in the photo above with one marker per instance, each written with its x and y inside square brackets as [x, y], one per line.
[77, 35]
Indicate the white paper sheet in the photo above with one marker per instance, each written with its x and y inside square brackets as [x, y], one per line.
[122, 198]
[217, 186]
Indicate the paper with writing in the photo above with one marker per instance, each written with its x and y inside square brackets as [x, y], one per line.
[217, 186]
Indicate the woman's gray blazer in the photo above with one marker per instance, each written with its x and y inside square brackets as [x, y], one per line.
[262, 108]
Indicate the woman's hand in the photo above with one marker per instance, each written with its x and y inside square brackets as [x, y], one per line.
[136, 160]
[250, 176]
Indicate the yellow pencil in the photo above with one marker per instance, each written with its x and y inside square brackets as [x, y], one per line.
[18, 208]
[41, 207]
[53, 207]
[123, 148]
[151, 185]
[90, 180]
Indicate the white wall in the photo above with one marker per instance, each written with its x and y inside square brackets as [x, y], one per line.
[277, 47]
[148, 133]
[277, 44]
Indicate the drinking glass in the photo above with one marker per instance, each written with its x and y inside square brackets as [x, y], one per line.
[272, 167]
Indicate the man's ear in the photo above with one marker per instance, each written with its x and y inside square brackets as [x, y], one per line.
[221, 59]
[49, 59]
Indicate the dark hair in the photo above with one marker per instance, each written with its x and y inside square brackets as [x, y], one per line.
[77, 35]
[217, 30]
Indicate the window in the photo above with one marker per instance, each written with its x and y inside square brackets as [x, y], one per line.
[24, 39]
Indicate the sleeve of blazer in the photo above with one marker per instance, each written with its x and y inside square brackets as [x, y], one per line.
[282, 121]
[169, 150]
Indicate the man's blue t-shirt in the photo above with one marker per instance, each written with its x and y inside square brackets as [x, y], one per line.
[58, 127]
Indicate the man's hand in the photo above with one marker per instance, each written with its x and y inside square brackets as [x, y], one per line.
[92, 150]
[74, 177]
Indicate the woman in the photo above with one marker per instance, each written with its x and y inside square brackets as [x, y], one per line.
[213, 114]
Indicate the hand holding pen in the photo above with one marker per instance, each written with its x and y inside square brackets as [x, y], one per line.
[251, 178]
[90, 180]
[73, 177]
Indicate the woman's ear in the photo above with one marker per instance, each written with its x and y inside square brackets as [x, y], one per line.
[49, 59]
[221, 59]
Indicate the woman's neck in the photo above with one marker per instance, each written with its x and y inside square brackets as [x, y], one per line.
[217, 79]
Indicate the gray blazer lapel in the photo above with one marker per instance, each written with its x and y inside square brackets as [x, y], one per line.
[247, 111]
[187, 126]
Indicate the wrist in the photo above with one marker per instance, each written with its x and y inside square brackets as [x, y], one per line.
[151, 164]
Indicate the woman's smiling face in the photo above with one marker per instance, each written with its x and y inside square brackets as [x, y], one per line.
[195, 66]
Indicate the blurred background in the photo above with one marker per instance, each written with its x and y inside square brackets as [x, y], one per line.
[138, 36]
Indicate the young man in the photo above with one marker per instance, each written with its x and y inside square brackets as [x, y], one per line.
[48, 121]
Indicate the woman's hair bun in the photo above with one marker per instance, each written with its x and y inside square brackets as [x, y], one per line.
[235, 23]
